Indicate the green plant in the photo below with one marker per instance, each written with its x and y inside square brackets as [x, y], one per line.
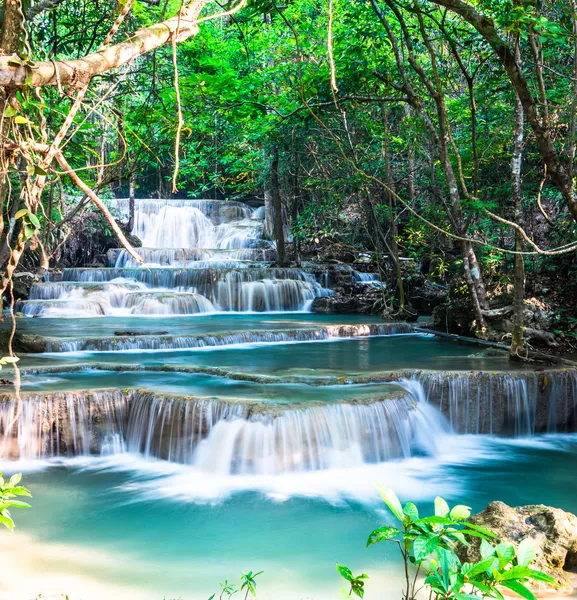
[356, 583]
[249, 583]
[9, 490]
[8, 360]
[430, 545]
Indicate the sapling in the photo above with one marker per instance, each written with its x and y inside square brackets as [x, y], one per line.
[8, 491]
[429, 546]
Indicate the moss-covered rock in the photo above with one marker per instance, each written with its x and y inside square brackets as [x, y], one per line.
[22, 342]
[553, 531]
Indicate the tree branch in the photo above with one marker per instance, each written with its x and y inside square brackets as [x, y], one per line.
[81, 70]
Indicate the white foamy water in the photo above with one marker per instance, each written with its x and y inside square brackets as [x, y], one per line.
[199, 256]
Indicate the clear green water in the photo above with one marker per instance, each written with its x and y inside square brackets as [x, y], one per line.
[192, 384]
[150, 530]
[129, 529]
[338, 357]
[182, 325]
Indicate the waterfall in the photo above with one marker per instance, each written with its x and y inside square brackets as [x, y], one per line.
[241, 437]
[339, 435]
[212, 250]
[253, 437]
[521, 404]
[62, 424]
[168, 342]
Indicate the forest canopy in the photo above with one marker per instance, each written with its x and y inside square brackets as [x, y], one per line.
[436, 133]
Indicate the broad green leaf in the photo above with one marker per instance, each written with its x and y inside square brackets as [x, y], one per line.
[441, 507]
[479, 530]
[390, 499]
[506, 553]
[479, 567]
[486, 549]
[34, 220]
[460, 512]
[15, 479]
[345, 572]
[10, 111]
[7, 522]
[526, 552]
[382, 534]
[436, 520]
[411, 511]
[9, 360]
[18, 504]
[519, 589]
[540, 576]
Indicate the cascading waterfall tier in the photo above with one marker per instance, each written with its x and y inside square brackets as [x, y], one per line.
[190, 257]
[212, 250]
[166, 342]
[521, 404]
[240, 437]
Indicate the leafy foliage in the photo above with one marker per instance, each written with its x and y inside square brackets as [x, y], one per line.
[9, 490]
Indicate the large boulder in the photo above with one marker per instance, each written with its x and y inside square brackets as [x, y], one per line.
[553, 531]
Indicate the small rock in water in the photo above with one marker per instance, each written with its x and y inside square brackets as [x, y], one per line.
[553, 531]
[133, 333]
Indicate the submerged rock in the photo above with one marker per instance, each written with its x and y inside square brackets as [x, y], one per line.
[553, 531]
[21, 343]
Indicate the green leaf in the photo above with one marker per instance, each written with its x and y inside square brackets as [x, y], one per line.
[519, 589]
[441, 507]
[460, 512]
[479, 567]
[390, 499]
[423, 546]
[411, 511]
[486, 549]
[34, 220]
[21, 213]
[7, 522]
[478, 529]
[29, 231]
[382, 534]
[345, 572]
[526, 552]
[18, 504]
[10, 111]
[540, 576]
[20, 120]
[15, 479]
[10, 360]
[506, 553]
[436, 520]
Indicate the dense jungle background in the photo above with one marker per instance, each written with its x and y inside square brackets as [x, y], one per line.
[433, 140]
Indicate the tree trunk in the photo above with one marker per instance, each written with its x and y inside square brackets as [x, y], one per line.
[517, 344]
[393, 215]
[278, 224]
[131, 192]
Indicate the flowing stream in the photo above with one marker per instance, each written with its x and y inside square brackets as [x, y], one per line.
[190, 418]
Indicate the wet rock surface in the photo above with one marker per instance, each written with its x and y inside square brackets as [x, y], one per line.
[21, 342]
[553, 531]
